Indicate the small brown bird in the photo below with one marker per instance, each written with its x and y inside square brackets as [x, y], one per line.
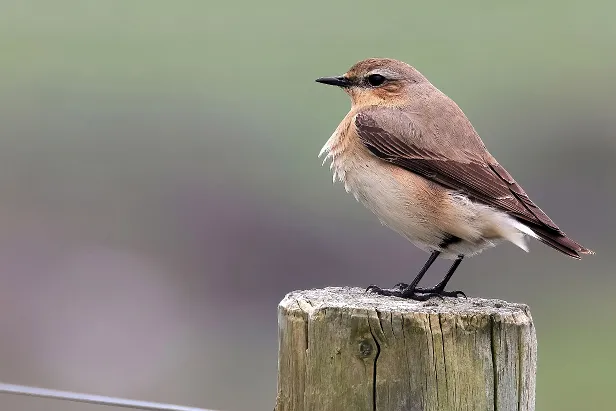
[409, 154]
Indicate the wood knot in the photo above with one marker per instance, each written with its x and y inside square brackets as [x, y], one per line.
[365, 349]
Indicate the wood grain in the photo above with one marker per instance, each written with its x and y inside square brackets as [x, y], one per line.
[344, 349]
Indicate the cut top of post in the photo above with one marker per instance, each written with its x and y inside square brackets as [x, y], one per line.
[358, 298]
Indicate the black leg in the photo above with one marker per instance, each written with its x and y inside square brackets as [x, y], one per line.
[448, 240]
[410, 290]
[440, 287]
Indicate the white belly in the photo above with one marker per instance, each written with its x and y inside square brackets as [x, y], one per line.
[374, 184]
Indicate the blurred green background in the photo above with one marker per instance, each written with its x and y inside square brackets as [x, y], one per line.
[160, 190]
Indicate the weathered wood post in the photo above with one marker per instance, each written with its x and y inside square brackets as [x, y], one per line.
[343, 349]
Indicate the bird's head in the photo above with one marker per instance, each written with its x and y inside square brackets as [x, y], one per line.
[378, 81]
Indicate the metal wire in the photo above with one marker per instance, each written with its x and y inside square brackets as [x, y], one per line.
[92, 399]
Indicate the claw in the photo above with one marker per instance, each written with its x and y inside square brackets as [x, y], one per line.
[455, 294]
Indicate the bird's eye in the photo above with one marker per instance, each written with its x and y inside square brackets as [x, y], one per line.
[376, 80]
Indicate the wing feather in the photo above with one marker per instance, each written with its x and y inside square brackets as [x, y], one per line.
[469, 173]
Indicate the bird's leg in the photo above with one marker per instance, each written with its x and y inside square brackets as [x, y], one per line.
[440, 287]
[410, 291]
[448, 240]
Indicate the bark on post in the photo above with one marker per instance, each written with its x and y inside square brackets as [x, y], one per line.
[344, 349]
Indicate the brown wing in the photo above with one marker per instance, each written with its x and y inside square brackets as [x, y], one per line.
[483, 181]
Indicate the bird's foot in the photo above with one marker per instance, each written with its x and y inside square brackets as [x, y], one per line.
[402, 293]
[433, 290]
[442, 293]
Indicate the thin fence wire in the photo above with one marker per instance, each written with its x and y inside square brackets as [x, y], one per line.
[92, 399]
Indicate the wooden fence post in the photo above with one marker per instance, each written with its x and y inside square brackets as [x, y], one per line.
[343, 349]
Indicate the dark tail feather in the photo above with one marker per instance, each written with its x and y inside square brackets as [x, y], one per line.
[561, 242]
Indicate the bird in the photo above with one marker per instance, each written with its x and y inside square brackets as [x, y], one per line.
[409, 154]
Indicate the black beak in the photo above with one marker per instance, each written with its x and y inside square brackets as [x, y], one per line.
[335, 81]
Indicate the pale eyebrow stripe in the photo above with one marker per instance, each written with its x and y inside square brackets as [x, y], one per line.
[385, 73]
